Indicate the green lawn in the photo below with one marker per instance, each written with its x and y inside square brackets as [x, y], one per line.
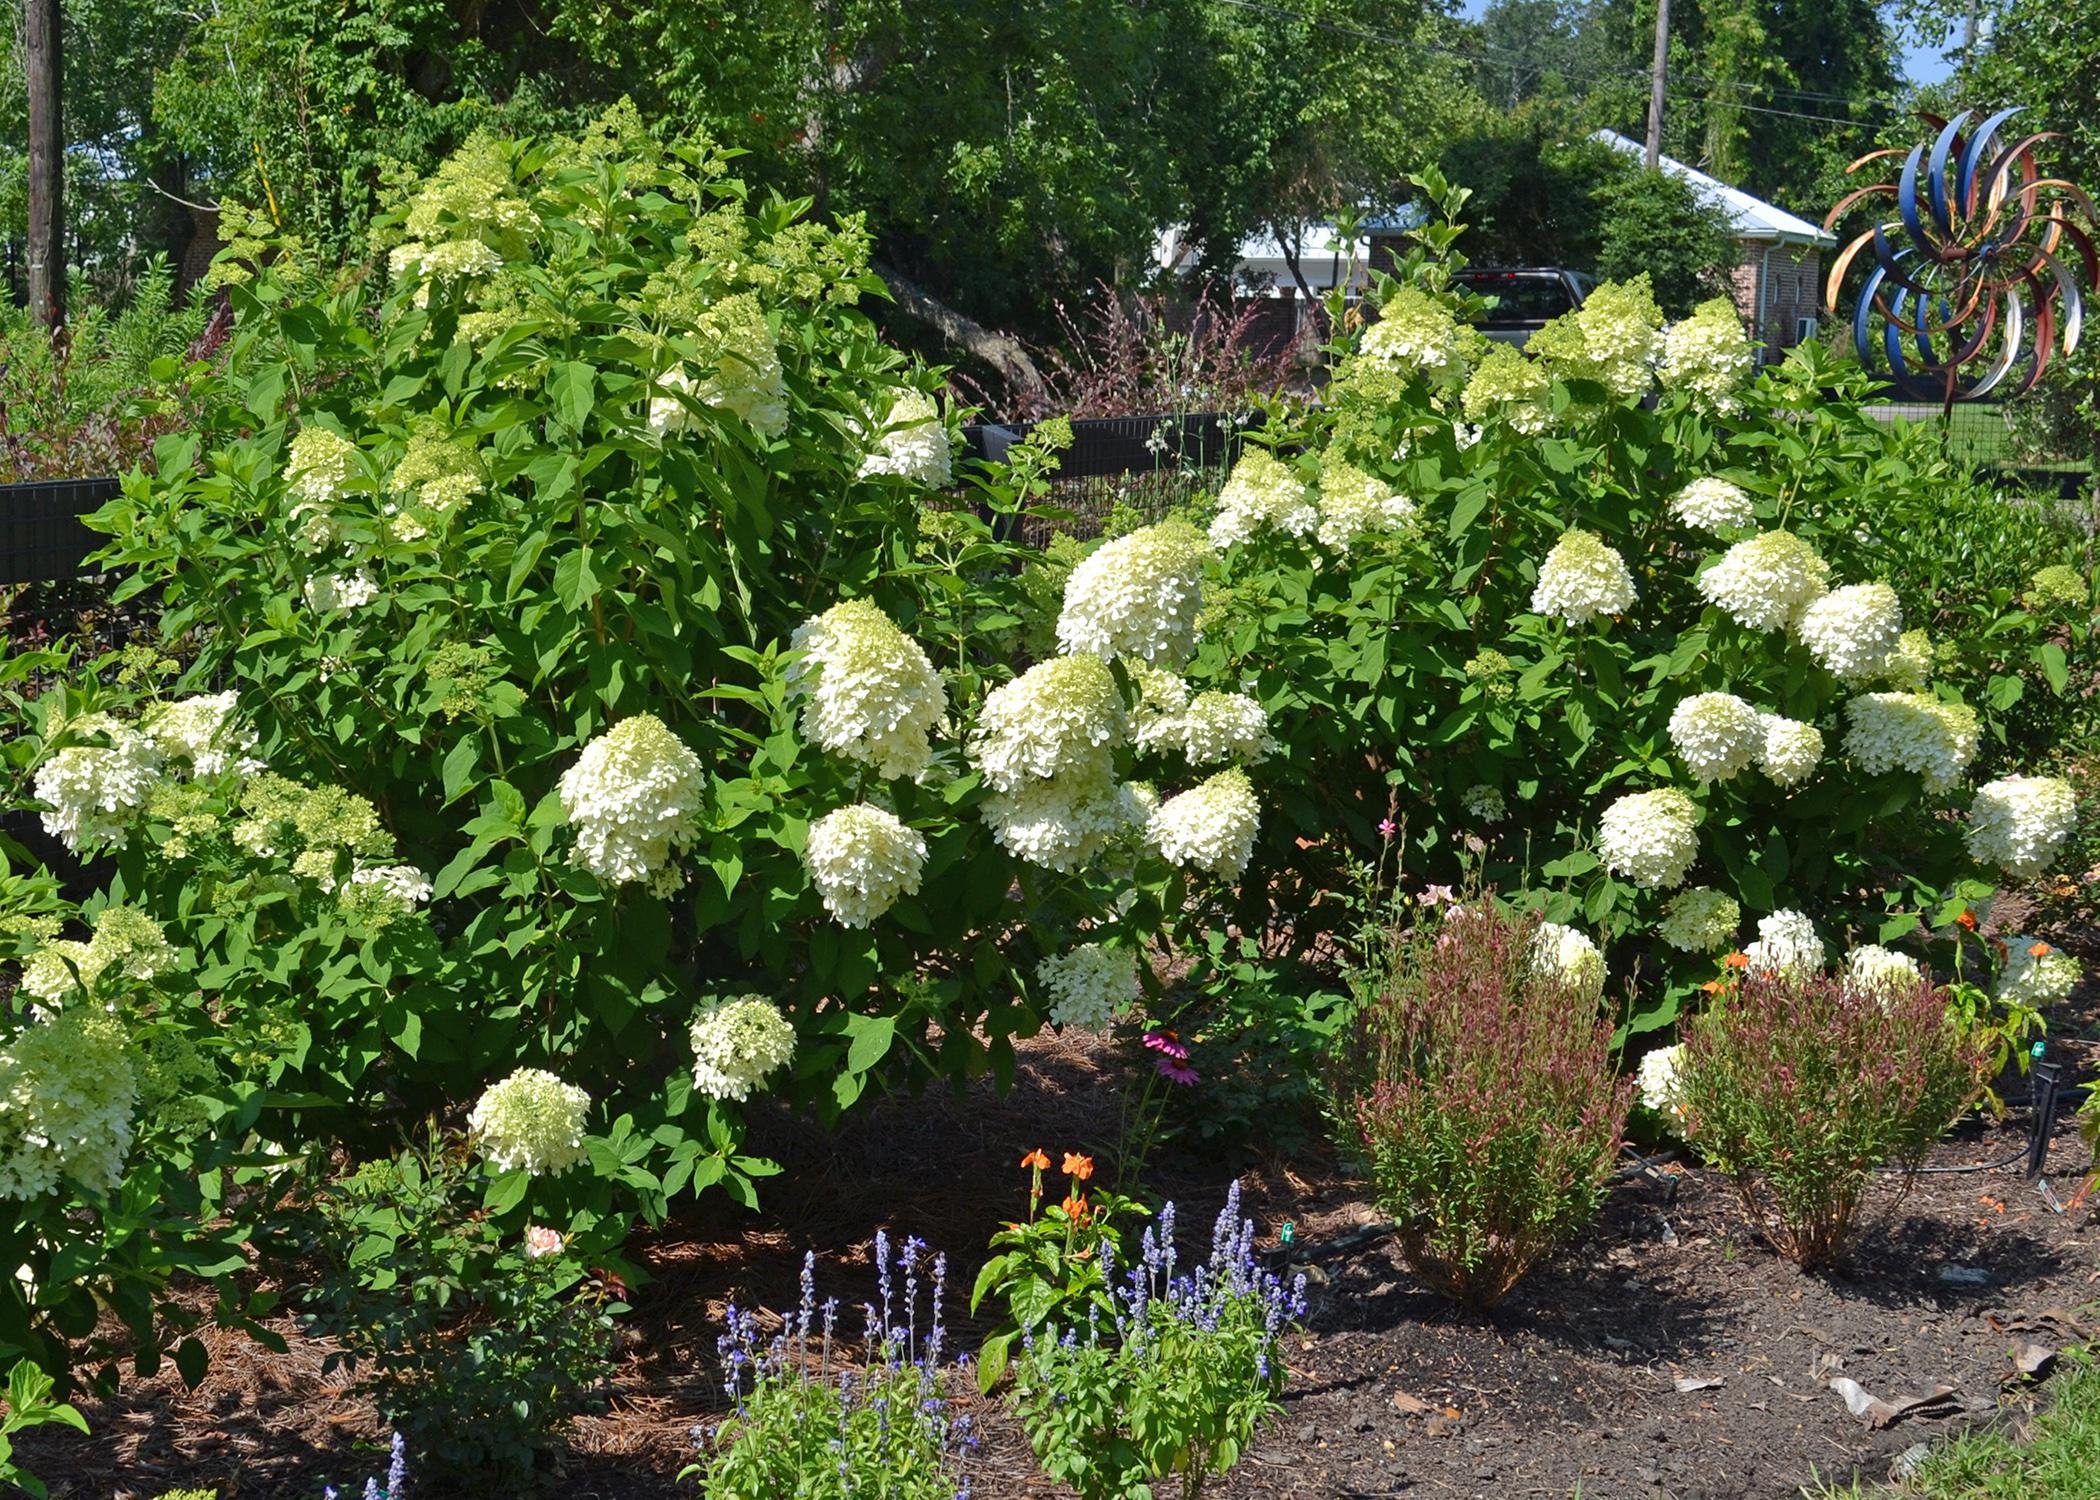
[2054, 1456]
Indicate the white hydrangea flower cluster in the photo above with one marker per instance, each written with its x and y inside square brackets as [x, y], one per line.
[633, 797]
[913, 443]
[861, 859]
[437, 476]
[1709, 355]
[1718, 734]
[1713, 504]
[1614, 338]
[1788, 750]
[1416, 335]
[872, 695]
[201, 731]
[737, 1043]
[1650, 837]
[746, 378]
[125, 941]
[327, 592]
[2019, 822]
[1767, 580]
[1353, 505]
[2036, 973]
[1483, 803]
[1261, 492]
[1512, 388]
[94, 790]
[450, 260]
[1090, 985]
[402, 887]
[1700, 920]
[1852, 631]
[1581, 579]
[67, 1092]
[1211, 826]
[1062, 825]
[1138, 596]
[1658, 1082]
[320, 467]
[1786, 945]
[1881, 971]
[1913, 731]
[531, 1122]
[1911, 664]
[1062, 719]
[1212, 727]
[1568, 957]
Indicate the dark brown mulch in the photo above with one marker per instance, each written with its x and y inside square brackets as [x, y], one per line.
[1570, 1384]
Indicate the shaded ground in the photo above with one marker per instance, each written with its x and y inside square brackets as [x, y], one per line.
[1572, 1384]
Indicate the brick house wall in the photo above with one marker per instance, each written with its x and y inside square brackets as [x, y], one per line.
[1792, 290]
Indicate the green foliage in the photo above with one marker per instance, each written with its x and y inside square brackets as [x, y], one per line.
[1048, 1268]
[1798, 1086]
[1476, 1082]
[1657, 224]
[30, 1404]
[476, 1344]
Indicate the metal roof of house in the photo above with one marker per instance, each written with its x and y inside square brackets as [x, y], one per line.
[1753, 218]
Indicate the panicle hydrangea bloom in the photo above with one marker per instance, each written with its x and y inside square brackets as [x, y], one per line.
[1910, 665]
[1214, 727]
[737, 1043]
[327, 592]
[1162, 699]
[531, 1122]
[1614, 339]
[94, 790]
[2036, 973]
[320, 467]
[913, 443]
[1786, 944]
[2056, 586]
[1713, 504]
[1700, 920]
[745, 378]
[1880, 970]
[1061, 718]
[1416, 335]
[872, 694]
[1852, 631]
[1064, 823]
[1581, 579]
[2020, 822]
[67, 1091]
[201, 731]
[1353, 504]
[1765, 581]
[1138, 596]
[1483, 803]
[1090, 985]
[632, 797]
[1913, 731]
[1718, 734]
[126, 941]
[437, 476]
[1658, 1081]
[1260, 493]
[1788, 750]
[1650, 837]
[396, 887]
[1709, 355]
[1568, 957]
[1211, 826]
[861, 859]
[1512, 388]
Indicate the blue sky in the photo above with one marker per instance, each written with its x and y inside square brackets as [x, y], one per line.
[1920, 65]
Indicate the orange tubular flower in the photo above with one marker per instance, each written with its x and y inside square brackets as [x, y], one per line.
[1737, 960]
[1036, 1160]
[2038, 950]
[1967, 920]
[1074, 1206]
[1077, 1166]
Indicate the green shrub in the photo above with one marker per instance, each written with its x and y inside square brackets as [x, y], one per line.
[1799, 1085]
[1476, 1082]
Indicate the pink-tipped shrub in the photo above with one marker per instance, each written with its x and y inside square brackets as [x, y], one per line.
[1800, 1086]
[1481, 1094]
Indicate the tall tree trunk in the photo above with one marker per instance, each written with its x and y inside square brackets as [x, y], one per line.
[1001, 351]
[43, 66]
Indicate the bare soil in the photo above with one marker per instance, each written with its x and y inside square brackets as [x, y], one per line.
[1571, 1387]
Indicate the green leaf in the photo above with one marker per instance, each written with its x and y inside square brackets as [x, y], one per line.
[872, 1037]
[573, 388]
[460, 762]
[2050, 657]
[574, 582]
[192, 1360]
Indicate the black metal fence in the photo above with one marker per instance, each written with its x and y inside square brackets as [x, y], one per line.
[1147, 465]
[41, 535]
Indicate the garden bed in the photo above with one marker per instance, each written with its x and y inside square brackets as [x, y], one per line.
[1572, 1383]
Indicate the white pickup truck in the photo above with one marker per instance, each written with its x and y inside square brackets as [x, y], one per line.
[1525, 298]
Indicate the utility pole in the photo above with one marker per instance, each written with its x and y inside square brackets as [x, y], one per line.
[1655, 82]
[43, 67]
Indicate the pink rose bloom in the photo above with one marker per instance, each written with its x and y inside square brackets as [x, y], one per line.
[540, 1240]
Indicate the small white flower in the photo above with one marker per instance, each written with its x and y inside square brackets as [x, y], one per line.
[1062, 718]
[633, 797]
[1581, 579]
[1261, 493]
[1700, 920]
[1660, 1089]
[1786, 945]
[1211, 826]
[1881, 971]
[736, 1044]
[1650, 837]
[1570, 958]
[2020, 822]
[1090, 985]
[1914, 731]
[861, 859]
[1765, 581]
[326, 592]
[1138, 596]
[872, 696]
[531, 1121]
[1712, 504]
[1852, 631]
[2036, 973]
[1718, 734]
[1788, 750]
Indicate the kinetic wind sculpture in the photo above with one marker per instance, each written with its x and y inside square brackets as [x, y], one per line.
[1969, 276]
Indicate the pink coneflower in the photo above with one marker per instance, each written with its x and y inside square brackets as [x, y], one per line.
[1159, 1039]
[1174, 1071]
